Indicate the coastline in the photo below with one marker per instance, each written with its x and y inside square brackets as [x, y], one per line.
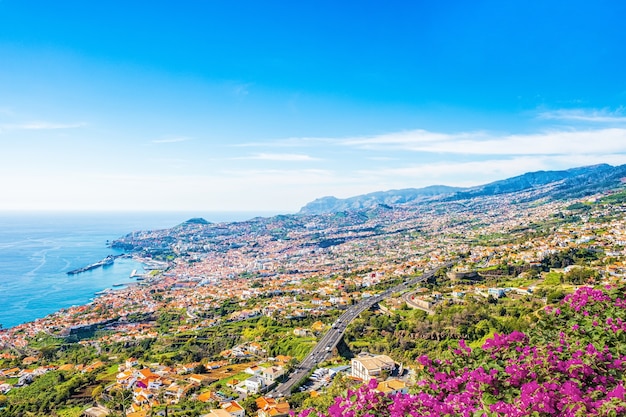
[65, 320]
[39, 248]
[56, 289]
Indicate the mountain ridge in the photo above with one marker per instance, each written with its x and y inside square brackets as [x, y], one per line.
[578, 181]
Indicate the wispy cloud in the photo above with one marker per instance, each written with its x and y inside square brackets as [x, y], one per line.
[415, 140]
[595, 141]
[171, 140]
[297, 142]
[469, 173]
[41, 126]
[241, 90]
[280, 157]
[585, 115]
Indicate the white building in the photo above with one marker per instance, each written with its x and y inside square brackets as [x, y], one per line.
[254, 385]
[368, 367]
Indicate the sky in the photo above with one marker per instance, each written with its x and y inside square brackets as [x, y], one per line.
[265, 106]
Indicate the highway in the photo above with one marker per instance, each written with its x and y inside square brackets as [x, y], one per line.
[324, 347]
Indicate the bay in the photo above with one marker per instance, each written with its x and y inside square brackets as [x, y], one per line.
[37, 250]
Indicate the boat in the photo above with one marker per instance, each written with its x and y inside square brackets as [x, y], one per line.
[104, 262]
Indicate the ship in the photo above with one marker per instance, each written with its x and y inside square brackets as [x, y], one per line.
[104, 262]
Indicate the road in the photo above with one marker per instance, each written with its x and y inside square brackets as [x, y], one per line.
[324, 347]
[409, 300]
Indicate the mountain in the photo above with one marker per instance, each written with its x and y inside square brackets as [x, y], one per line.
[196, 220]
[379, 198]
[575, 182]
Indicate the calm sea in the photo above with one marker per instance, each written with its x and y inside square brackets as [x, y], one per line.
[37, 250]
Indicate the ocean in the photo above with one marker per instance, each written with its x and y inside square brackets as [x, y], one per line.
[37, 250]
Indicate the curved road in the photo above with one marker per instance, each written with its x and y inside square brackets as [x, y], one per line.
[324, 347]
[408, 299]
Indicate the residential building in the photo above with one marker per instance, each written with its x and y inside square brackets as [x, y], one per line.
[367, 367]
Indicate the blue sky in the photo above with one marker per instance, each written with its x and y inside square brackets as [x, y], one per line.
[265, 106]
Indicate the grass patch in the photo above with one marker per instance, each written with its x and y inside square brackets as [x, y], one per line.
[552, 279]
[108, 374]
[359, 344]
[517, 282]
[70, 412]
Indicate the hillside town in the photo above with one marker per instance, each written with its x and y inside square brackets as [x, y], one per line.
[302, 272]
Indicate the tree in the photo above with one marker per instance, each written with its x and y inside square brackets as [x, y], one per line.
[250, 405]
[199, 369]
[96, 393]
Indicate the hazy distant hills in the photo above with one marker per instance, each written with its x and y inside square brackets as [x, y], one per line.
[575, 182]
[368, 201]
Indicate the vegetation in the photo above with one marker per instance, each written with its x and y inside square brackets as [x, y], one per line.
[569, 364]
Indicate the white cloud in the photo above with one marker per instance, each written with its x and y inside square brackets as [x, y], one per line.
[598, 141]
[279, 157]
[41, 126]
[585, 115]
[171, 140]
[470, 173]
[410, 139]
[295, 142]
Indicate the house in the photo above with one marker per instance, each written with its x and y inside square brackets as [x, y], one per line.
[392, 386]
[254, 385]
[256, 348]
[496, 292]
[217, 413]
[198, 379]
[155, 383]
[93, 366]
[141, 395]
[11, 373]
[188, 367]
[146, 373]
[367, 367]
[523, 291]
[318, 326]
[253, 370]
[269, 407]
[140, 413]
[271, 374]
[176, 392]
[232, 383]
[234, 409]
[298, 331]
[284, 358]
[205, 397]
[66, 367]
[29, 360]
[130, 362]
[126, 379]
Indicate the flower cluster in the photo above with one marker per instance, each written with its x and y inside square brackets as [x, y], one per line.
[571, 364]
